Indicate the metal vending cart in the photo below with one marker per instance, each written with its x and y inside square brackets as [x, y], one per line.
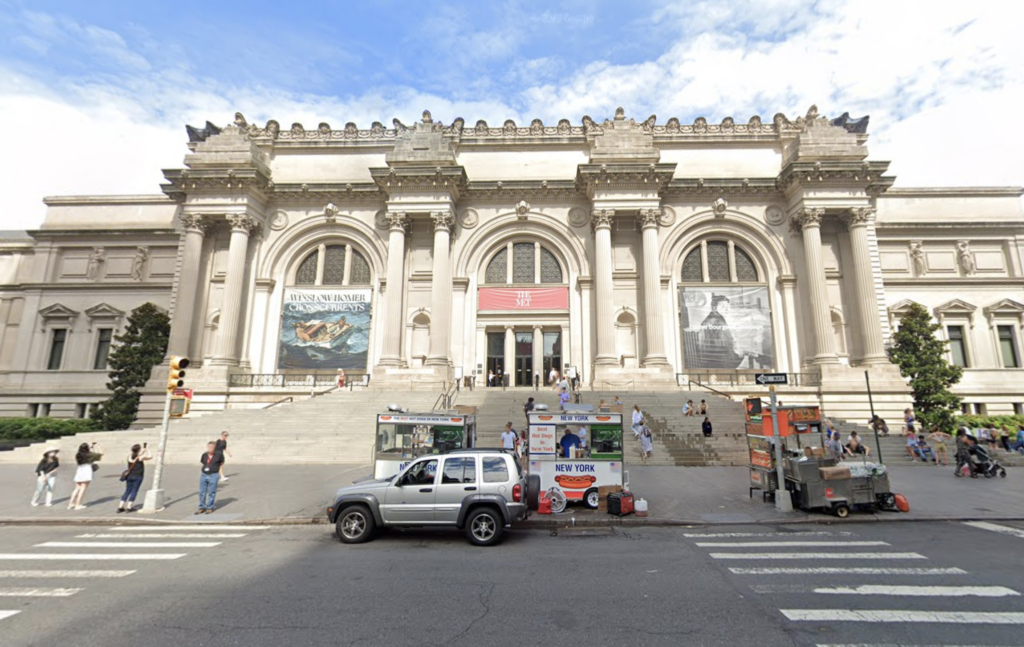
[402, 437]
[580, 475]
[795, 422]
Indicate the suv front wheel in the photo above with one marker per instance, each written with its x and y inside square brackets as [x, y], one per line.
[484, 527]
[355, 524]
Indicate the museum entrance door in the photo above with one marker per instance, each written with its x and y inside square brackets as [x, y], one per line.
[524, 359]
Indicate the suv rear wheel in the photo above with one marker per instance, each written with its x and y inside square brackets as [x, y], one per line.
[484, 527]
[355, 524]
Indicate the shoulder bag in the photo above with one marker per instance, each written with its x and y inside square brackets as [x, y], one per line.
[124, 474]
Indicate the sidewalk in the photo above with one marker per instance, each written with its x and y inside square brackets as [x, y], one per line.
[676, 495]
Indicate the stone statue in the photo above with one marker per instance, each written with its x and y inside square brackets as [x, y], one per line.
[966, 258]
[917, 259]
[96, 259]
[139, 263]
[241, 122]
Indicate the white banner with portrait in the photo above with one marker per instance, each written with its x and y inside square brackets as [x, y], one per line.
[728, 327]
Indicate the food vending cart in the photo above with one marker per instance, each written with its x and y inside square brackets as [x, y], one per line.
[403, 437]
[579, 475]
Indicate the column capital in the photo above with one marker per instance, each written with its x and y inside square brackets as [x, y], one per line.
[194, 222]
[243, 223]
[806, 217]
[858, 216]
[649, 218]
[443, 220]
[397, 220]
[601, 218]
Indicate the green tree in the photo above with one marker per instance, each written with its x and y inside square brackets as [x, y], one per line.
[135, 353]
[921, 356]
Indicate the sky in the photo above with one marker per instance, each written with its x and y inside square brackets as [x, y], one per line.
[94, 96]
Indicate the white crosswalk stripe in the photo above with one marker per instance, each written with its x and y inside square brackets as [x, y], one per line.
[70, 557]
[884, 589]
[716, 535]
[169, 535]
[128, 544]
[194, 527]
[837, 555]
[995, 527]
[787, 544]
[838, 570]
[46, 575]
[36, 593]
[903, 645]
[8, 614]
[896, 615]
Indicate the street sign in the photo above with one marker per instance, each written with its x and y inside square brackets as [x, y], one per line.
[770, 378]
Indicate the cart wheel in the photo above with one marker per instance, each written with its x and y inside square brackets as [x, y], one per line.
[592, 498]
[558, 500]
[842, 510]
[532, 491]
[1002, 474]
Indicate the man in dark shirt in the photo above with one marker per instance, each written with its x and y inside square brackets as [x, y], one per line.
[211, 462]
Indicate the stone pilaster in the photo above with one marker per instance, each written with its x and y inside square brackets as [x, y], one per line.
[808, 221]
[868, 323]
[394, 326]
[242, 226]
[654, 332]
[441, 291]
[601, 220]
[188, 284]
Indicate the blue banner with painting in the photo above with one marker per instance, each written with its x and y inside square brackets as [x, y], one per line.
[325, 329]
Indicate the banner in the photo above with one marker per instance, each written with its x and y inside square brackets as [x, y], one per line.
[726, 327]
[324, 330]
[524, 299]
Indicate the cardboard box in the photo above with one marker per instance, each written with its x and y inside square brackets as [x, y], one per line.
[837, 473]
[814, 452]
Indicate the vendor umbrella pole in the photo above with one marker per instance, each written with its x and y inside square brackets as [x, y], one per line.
[874, 424]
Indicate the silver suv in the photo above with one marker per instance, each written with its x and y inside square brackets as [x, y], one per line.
[478, 490]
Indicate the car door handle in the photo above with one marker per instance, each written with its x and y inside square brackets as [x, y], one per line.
[426, 489]
[471, 488]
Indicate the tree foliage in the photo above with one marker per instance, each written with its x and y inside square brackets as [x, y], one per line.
[135, 353]
[921, 356]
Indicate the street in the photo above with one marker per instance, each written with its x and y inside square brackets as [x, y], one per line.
[926, 583]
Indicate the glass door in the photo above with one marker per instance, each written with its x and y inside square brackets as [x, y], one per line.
[552, 353]
[495, 358]
[524, 359]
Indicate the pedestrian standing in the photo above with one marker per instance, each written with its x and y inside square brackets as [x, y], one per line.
[46, 477]
[490, 377]
[86, 458]
[939, 440]
[563, 398]
[527, 408]
[208, 478]
[523, 447]
[638, 419]
[222, 447]
[508, 438]
[706, 427]
[908, 420]
[553, 377]
[133, 476]
[646, 442]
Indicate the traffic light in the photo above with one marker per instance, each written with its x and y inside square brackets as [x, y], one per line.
[753, 406]
[176, 378]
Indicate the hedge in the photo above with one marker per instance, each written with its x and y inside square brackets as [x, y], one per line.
[43, 428]
[1009, 423]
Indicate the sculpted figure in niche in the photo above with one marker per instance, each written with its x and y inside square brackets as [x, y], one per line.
[139, 263]
[917, 259]
[96, 259]
[963, 252]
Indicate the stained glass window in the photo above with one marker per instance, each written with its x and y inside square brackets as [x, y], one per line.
[334, 265]
[550, 271]
[306, 274]
[497, 269]
[745, 270]
[691, 267]
[718, 261]
[523, 270]
[359, 273]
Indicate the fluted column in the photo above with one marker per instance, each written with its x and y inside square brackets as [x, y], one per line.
[441, 290]
[872, 347]
[393, 326]
[538, 354]
[601, 220]
[654, 332]
[188, 284]
[809, 222]
[234, 285]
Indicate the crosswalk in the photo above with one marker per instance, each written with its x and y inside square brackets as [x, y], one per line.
[889, 587]
[136, 544]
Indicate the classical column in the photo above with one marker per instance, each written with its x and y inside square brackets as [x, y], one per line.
[809, 222]
[872, 348]
[508, 371]
[601, 220]
[234, 285]
[538, 354]
[441, 290]
[188, 284]
[393, 324]
[653, 330]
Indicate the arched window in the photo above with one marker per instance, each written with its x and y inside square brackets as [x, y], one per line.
[531, 263]
[333, 265]
[725, 261]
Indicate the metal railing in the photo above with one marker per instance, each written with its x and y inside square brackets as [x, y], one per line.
[305, 380]
[690, 383]
[448, 396]
[281, 401]
[741, 379]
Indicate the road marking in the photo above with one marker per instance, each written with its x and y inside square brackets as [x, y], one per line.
[129, 544]
[994, 527]
[857, 570]
[873, 589]
[37, 593]
[8, 614]
[146, 535]
[711, 535]
[836, 555]
[197, 526]
[884, 615]
[786, 544]
[895, 645]
[88, 556]
[59, 574]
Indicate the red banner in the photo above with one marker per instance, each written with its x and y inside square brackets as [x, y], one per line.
[524, 299]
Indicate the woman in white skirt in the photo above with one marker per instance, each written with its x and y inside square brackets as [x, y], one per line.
[86, 458]
[638, 419]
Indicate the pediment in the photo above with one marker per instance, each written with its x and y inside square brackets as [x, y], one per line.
[58, 311]
[1005, 306]
[956, 307]
[902, 307]
[104, 311]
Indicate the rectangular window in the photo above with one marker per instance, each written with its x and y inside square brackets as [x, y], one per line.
[106, 335]
[81, 410]
[495, 470]
[33, 410]
[60, 337]
[957, 345]
[1008, 347]
[459, 470]
[1018, 409]
[44, 411]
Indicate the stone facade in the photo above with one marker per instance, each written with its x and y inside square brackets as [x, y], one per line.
[620, 250]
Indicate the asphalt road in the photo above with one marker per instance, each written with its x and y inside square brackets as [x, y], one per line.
[296, 585]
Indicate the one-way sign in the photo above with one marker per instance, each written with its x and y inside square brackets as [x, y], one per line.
[770, 378]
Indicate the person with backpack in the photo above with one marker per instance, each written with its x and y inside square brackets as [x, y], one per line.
[133, 476]
[646, 442]
[46, 477]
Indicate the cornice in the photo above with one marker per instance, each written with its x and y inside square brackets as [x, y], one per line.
[96, 287]
[328, 191]
[867, 175]
[714, 187]
[44, 234]
[623, 175]
[231, 180]
[77, 200]
[394, 179]
[536, 190]
[955, 191]
[954, 281]
[959, 225]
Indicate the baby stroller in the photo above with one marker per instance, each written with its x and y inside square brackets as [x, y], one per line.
[974, 461]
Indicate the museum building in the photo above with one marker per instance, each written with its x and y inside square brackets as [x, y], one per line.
[632, 254]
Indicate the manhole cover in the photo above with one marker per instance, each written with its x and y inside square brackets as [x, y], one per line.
[586, 532]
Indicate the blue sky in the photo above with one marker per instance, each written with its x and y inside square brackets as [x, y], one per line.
[95, 95]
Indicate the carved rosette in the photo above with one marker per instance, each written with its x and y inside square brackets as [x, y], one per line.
[397, 221]
[649, 218]
[443, 220]
[195, 223]
[243, 223]
[807, 217]
[859, 216]
[601, 218]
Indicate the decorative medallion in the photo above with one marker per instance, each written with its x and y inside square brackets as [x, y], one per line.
[668, 217]
[578, 217]
[380, 220]
[279, 221]
[774, 216]
[719, 206]
[468, 218]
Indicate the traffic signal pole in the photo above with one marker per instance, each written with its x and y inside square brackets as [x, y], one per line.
[155, 496]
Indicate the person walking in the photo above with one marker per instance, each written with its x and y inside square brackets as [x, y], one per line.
[208, 478]
[638, 419]
[86, 458]
[706, 427]
[508, 438]
[222, 447]
[563, 398]
[553, 377]
[133, 476]
[646, 442]
[46, 477]
[1018, 446]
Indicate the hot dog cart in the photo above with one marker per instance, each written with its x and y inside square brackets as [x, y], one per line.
[576, 475]
[403, 437]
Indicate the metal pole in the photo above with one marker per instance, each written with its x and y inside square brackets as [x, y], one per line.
[154, 501]
[782, 500]
[871, 403]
